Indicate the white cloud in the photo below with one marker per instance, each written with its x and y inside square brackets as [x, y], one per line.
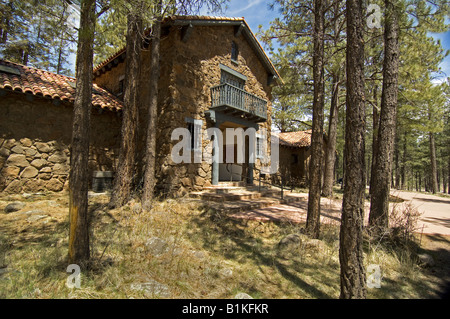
[250, 4]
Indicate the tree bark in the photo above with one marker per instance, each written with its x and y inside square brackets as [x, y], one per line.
[448, 170]
[79, 174]
[330, 159]
[379, 205]
[433, 179]
[124, 179]
[375, 123]
[353, 279]
[404, 157]
[150, 157]
[316, 162]
[397, 160]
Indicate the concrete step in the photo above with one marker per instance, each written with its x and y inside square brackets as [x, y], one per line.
[225, 196]
[227, 184]
[224, 189]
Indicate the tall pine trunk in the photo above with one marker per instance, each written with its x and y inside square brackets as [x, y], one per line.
[150, 156]
[124, 179]
[330, 159]
[448, 170]
[79, 156]
[433, 179]
[316, 161]
[379, 204]
[353, 280]
[375, 123]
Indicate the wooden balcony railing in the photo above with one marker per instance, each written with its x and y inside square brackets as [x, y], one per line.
[231, 99]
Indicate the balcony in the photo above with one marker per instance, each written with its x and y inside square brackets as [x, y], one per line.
[234, 101]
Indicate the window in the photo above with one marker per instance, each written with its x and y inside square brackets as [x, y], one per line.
[195, 128]
[234, 52]
[259, 146]
[121, 89]
[230, 76]
[294, 158]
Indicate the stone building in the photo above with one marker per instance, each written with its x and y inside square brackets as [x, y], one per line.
[294, 157]
[214, 74]
[295, 154]
[36, 128]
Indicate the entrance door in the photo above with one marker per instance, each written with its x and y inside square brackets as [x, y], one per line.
[230, 170]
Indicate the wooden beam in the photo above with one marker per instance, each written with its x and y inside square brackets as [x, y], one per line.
[238, 29]
[186, 32]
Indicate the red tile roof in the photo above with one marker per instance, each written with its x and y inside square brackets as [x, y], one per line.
[296, 139]
[50, 85]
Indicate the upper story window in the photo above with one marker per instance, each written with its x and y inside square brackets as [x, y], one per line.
[230, 76]
[121, 87]
[234, 52]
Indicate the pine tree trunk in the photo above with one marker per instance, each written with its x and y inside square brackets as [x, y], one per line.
[330, 159]
[448, 169]
[316, 161]
[379, 205]
[433, 178]
[353, 279]
[123, 183]
[397, 161]
[375, 121]
[150, 156]
[79, 174]
[404, 157]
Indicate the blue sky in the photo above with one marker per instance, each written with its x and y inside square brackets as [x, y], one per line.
[257, 12]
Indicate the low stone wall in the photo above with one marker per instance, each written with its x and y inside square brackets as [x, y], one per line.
[35, 141]
[32, 166]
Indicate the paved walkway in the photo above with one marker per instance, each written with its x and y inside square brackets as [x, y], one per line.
[435, 209]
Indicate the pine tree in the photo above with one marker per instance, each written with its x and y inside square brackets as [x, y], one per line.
[123, 182]
[79, 251]
[353, 280]
[379, 207]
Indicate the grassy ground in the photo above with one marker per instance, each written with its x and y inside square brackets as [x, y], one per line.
[208, 255]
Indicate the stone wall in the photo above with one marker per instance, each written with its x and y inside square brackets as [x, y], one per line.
[187, 72]
[35, 137]
[294, 173]
[195, 68]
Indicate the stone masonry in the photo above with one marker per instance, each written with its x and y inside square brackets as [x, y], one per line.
[34, 144]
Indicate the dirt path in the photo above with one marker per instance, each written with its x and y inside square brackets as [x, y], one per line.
[435, 210]
[435, 238]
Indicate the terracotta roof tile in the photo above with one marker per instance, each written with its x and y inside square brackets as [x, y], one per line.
[50, 85]
[296, 139]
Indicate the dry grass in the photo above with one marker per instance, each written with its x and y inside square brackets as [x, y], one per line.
[208, 255]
